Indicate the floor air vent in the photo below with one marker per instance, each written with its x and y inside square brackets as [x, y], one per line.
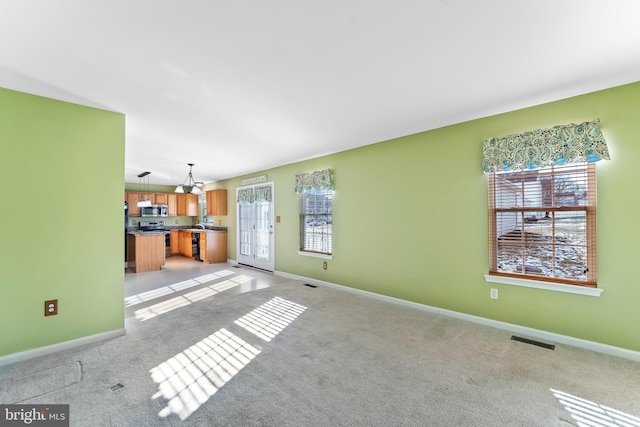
[310, 285]
[533, 342]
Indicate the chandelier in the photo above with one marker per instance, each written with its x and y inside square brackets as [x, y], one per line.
[189, 185]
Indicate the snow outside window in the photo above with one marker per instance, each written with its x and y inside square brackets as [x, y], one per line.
[542, 224]
[316, 222]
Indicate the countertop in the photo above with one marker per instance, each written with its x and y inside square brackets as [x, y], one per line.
[146, 233]
[136, 232]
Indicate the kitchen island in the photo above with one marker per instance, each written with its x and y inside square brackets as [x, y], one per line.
[145, 251]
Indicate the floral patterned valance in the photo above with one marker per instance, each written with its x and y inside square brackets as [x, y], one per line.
[263, 194]
[245, 195]
[250, 195]
[563, 144]
[314, 181]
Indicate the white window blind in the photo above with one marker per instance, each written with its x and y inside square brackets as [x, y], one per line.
[316, 222]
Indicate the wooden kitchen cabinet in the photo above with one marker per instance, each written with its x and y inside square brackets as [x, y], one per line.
[132, 198]
[174, 248]
[187, 205]
[192, 205]
[172, 204]
[177, 204]
[216, 202]
[213, 246]
[185, 243]
[160, 198]
[182, 205]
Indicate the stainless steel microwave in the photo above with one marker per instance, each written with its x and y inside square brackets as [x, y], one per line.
[154, 210]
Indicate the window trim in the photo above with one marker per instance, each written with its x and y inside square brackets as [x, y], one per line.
[316, 254]
[532, 280]
[312, 253]
[549, 286]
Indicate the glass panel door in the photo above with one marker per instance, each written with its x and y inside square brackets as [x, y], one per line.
[256, 232]
[245, 233]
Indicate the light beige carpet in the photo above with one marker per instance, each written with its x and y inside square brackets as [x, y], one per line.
[250, 348]
[39, 384]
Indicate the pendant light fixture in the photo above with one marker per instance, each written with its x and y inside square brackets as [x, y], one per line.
[144, 203]
[189, 185]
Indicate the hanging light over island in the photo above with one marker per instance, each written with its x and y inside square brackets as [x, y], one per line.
[144, 203]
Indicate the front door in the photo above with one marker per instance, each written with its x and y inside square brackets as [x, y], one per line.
[255, 226]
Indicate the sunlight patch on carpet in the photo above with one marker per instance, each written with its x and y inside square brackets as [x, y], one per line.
[191, 377]
[270, 318]
[176, 287]
[591, 414]
[183, 300]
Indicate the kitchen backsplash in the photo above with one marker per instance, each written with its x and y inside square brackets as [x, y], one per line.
[172, 221]
[168, 220]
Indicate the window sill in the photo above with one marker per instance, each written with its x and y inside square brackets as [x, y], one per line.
[572, 289]
[315, 255]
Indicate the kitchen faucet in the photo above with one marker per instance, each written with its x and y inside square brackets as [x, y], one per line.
[201, 225]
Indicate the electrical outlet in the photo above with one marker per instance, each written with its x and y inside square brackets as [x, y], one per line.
[324, 265]
[51, 307]
[494, 293]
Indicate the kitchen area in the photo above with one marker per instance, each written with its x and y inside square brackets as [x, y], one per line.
[162, 225]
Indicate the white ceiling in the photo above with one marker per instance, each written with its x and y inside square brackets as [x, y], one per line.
[238, 86]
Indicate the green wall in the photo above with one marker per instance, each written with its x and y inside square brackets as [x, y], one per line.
[410, 221]
[62, 168]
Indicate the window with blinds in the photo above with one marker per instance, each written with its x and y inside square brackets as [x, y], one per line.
[542, 224]
[316, 222]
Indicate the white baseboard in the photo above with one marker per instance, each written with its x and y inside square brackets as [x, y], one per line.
[54, 348]
[535, 333]
[531, 332]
